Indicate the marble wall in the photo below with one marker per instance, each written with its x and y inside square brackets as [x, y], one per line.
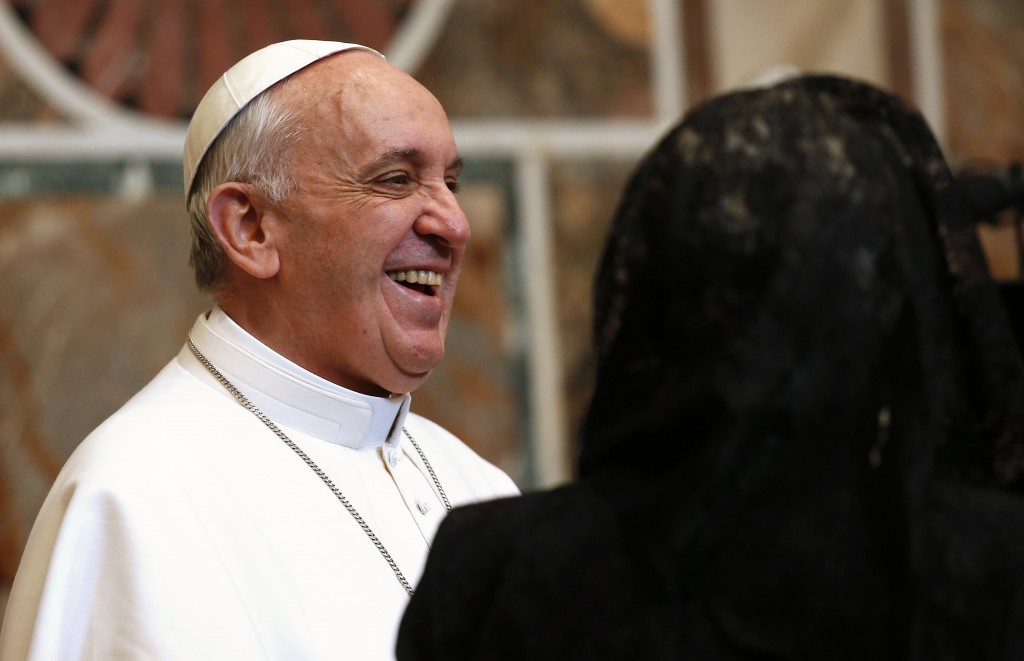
[93, 278]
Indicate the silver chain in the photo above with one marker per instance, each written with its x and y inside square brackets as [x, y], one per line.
[244, 401]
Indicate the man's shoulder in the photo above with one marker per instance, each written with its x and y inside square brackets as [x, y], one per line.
[170, 415]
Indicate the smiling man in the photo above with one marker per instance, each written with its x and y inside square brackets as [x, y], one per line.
[269, 494]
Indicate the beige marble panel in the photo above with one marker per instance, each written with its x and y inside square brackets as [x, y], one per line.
[585, 195]
[539, 58]
[752, 38]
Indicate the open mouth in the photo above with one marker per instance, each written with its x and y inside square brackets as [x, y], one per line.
[425, 282]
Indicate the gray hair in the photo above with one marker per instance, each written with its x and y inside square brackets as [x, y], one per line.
[253, 148]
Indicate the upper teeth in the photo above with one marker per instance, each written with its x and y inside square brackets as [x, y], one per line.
[416, 277]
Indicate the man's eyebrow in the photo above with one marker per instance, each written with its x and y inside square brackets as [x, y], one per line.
[403, 154]
[391, 157]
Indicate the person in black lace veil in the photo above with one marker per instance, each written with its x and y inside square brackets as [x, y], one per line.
[805, 437]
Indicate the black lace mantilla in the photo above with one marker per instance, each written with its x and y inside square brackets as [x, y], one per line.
[803, 361]
[795, 263]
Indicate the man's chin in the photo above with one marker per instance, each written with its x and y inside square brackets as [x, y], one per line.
[407, 383]
[411, 355]
[412, 372]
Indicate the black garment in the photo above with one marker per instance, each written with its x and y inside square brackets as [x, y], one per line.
[805, 440]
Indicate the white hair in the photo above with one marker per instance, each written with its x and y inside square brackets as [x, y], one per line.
[254, 148]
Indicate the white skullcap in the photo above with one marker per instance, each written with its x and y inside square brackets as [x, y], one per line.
[241, 84]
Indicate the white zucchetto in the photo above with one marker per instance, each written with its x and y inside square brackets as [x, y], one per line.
[242, 83]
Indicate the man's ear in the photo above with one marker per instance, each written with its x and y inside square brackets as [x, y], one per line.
[238, 220]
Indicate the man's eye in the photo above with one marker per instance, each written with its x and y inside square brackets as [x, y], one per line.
[396, 179]
[453, 185]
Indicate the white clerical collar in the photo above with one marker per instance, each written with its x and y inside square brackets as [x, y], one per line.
[292, 396]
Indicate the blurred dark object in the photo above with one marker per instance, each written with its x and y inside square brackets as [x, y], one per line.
[1012, 294]
[992, 190]
[995, 195]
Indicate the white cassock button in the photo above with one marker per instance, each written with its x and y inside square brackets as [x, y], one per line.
[393, 457]
[422, 505]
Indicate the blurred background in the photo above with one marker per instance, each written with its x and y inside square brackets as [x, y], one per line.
[551, 102]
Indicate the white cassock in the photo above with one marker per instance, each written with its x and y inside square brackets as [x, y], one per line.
[183, 528]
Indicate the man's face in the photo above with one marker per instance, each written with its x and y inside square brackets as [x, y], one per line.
[372, 242]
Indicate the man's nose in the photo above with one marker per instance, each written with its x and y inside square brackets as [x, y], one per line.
[444, 219]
